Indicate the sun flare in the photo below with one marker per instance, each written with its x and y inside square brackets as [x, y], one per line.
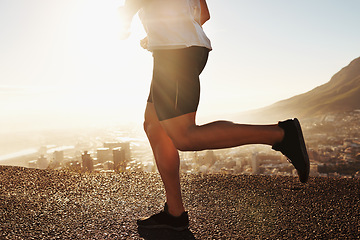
[121, 66]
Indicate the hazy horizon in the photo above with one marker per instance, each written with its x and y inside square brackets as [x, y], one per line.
[62, 64]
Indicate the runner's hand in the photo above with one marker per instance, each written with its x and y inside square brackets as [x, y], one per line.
[144, 43]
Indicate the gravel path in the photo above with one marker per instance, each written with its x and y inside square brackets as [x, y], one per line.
[48, 204]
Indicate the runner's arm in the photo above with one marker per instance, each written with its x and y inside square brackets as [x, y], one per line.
[127, 12]
[131, 7]
[205, 14]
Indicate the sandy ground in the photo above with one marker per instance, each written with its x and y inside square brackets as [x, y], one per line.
[48, 204]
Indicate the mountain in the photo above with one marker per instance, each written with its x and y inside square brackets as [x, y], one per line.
[340, 94]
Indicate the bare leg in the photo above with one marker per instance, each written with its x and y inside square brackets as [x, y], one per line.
[182, 133]
[167, 160]
[188, 136]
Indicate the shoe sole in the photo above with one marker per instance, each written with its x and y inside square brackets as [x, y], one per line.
[179, 229]
[303, 177]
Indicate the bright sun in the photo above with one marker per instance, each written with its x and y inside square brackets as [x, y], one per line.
[114, 73]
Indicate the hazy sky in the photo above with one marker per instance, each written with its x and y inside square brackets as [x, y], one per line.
[62, 63]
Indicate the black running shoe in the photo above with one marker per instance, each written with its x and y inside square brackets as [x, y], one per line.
[293, 147]
[165, 220]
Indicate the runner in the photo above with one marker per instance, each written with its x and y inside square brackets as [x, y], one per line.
[180, 50]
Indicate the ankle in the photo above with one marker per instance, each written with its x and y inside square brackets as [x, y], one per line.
[279, 135]
[175, 212]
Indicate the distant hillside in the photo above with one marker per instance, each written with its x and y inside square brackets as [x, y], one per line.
[340, 94]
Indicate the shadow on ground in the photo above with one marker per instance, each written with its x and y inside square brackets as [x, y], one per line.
[165, 234]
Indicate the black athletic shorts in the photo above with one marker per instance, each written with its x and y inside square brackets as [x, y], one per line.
[175, 86]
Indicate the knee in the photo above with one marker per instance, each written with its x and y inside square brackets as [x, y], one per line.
[181, 144]
[152, 129]
[184, 142]
[147, 126]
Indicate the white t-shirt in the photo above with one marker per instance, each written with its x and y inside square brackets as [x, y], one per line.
[172, 24]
